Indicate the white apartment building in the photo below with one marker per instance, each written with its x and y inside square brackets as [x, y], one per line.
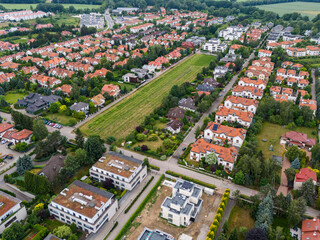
[214, 45]
[126, 172]
[85, 205]
[92, 20]
[183, 207]
[11, 210]
[232, 33]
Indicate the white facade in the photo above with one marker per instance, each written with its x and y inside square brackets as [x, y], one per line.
[184, 205]
[103, 213]
[14, 214]
[239, 106]
[131, 171]
[214, 45]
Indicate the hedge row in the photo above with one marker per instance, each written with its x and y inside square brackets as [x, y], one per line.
[216, 222]
[136, 198]
[154, 167]
[8, 192]
[42, 232]
[191, 179]
[127, 226]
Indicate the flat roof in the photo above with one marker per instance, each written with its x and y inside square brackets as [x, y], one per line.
[7, 202]
[118, 164]
[83, 198]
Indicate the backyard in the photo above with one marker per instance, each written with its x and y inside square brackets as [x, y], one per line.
[272, 133]
[122, 118]
[12, 97]
[150, 217]
[61, 118]
[310, 9]
[240, 217]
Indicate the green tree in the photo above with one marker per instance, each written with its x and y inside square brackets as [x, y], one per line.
[296, 164]
[71, 162]
[110, 140]
[62, 232]
[296, 211]
[94, 147]
[239, 178]
[276, 233]
[292, 153]
[24, 163]
[234, 234]
[211, 158]
[264, 215]
[306, 191]
[40, 130]
[14, 232]
[315, 154]
[146, 162]
[81, 157]
[197, 132]
[79, 138]
[54, 107]
[167, 143]
[290, 174]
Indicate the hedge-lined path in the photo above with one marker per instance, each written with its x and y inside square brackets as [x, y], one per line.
[231, 203]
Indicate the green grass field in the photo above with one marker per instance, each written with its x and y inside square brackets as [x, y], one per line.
[272, 133]
[310, 9]
[240, 217]
[10, 6]
[12, 98]
[122, 118]
[60, 118]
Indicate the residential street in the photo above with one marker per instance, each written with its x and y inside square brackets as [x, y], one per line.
[108, 18]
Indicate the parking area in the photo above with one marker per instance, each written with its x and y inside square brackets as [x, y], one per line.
[9, 156]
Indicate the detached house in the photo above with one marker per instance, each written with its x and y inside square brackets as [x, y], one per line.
[174, 126]
[304, 175]
[111, 89]
[187, 104]
[220, 133]
[299, 139]
[226, 156]
[176, 113]
[15, 136]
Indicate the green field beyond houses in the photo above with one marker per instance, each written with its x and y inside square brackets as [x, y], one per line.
[122, 118]
[15, 6]
[310, 9]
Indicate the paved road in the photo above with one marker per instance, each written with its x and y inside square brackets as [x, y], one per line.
[108, 19]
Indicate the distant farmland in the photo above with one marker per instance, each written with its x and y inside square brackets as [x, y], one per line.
[121, 119]
[310, 9]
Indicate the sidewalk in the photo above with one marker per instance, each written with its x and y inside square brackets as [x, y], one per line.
[122, 217]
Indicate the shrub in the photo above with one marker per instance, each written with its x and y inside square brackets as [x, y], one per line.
[163, 157]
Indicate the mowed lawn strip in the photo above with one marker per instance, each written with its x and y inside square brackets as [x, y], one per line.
[272, 133]
[122, 118]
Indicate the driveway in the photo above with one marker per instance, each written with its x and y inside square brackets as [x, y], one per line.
[283, 188]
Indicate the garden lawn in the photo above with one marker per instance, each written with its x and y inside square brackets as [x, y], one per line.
[12, 98]
[52, 224]
[67, 19]
[60, 118]
[272, 133]
[122, 118]
[310, 9]
[240, 217]
[27, 6]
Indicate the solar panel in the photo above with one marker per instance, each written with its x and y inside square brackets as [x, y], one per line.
[215, 127]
